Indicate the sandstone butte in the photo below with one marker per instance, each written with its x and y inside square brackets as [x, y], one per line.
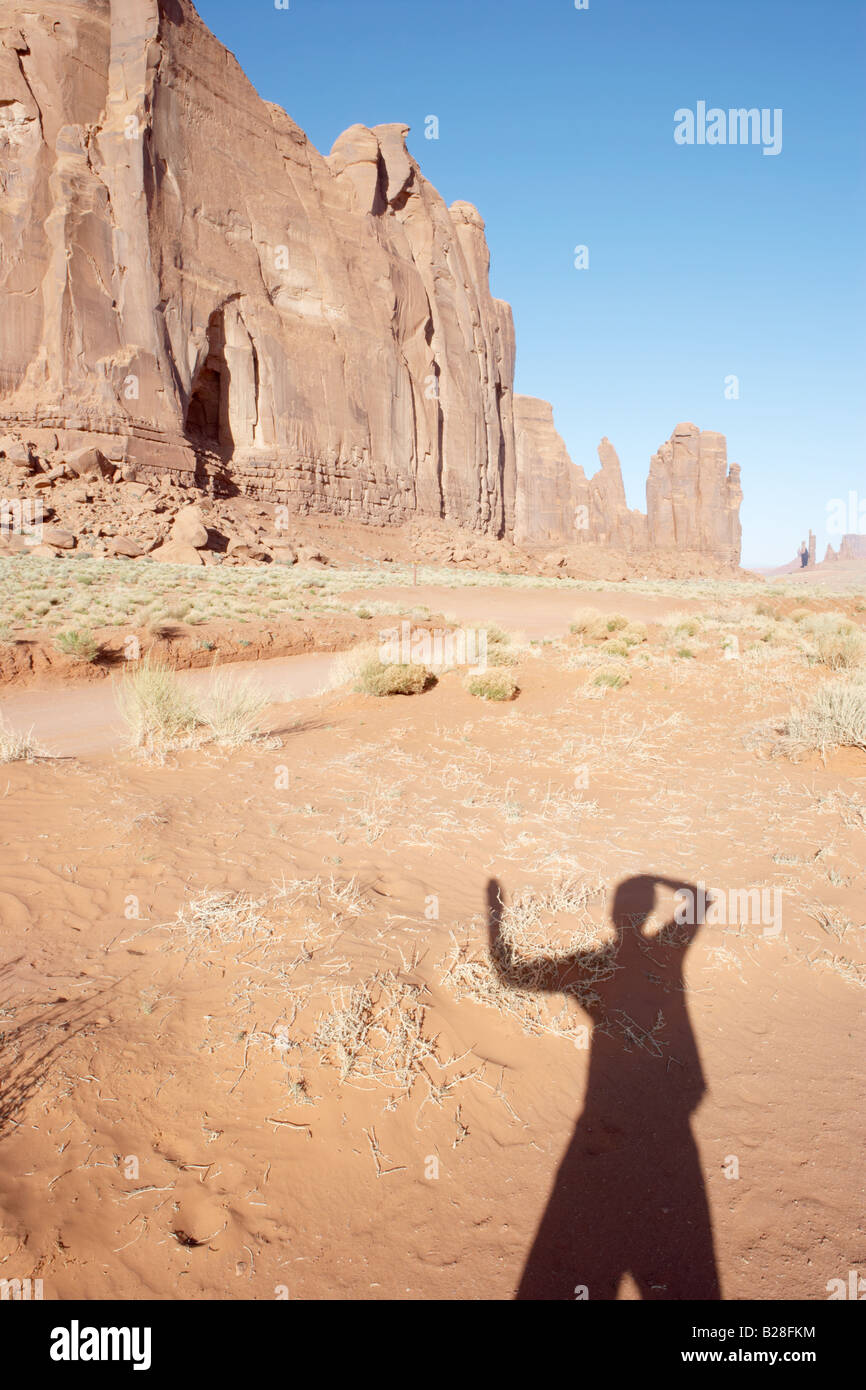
[188, 285]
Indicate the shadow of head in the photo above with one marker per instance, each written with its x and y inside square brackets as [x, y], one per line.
[635, 900]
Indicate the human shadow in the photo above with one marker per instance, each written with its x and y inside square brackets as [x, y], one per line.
[629, 1195]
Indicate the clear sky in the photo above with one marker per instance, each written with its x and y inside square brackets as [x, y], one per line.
[705, 261]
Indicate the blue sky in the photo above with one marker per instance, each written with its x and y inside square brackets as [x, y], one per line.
[704, 261]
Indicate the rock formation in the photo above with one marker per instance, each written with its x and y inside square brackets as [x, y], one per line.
[852, 547]
[190, 288]
[693, 497]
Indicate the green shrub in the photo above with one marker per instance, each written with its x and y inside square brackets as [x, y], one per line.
[614, 647]
[79, 645]
[616, 622]
[492, 685]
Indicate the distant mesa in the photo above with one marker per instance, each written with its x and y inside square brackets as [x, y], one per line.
[191, 287]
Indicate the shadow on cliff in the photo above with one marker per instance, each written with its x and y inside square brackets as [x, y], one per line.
[629, 1194]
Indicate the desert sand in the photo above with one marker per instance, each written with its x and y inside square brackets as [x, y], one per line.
[258, 1038]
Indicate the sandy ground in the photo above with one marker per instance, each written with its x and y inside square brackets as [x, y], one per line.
[235, 1062]
[536, 614]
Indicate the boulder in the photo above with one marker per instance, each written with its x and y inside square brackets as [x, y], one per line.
[88, 463]
[247, 549]
[176, 553]
[127, 546]
[188, 528]
[47, 480]
[18, 455]
[58, 538]
[13, 544]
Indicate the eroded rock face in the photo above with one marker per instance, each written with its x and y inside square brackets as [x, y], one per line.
[186, 272]
[191, 289]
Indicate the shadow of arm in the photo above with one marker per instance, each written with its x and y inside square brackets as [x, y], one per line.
[545, 974]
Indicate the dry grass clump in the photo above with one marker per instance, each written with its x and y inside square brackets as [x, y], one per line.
[678, 625]
[377, 678]
[155, 705]
[837, 643]
[597, 627]
[77, 644]
[502, 647]
[611, 678]
[634, 634]
[498, 657]
[347, 666]
[232, 709]
[213, 916]
[835, 718]
[160, 712]
[589, 625]
[492, 685]
[374, 1033]
[615, 647]
[522, 973]
[17, 747]
[615, 622]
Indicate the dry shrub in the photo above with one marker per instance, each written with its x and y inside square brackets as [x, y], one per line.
[614, 647]
[377, 678]
[232, 709]
[838, 644]
[156, 707]
[589, 625]
[611, 678]
[492, 685]
[17, 747]
[835, 718]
